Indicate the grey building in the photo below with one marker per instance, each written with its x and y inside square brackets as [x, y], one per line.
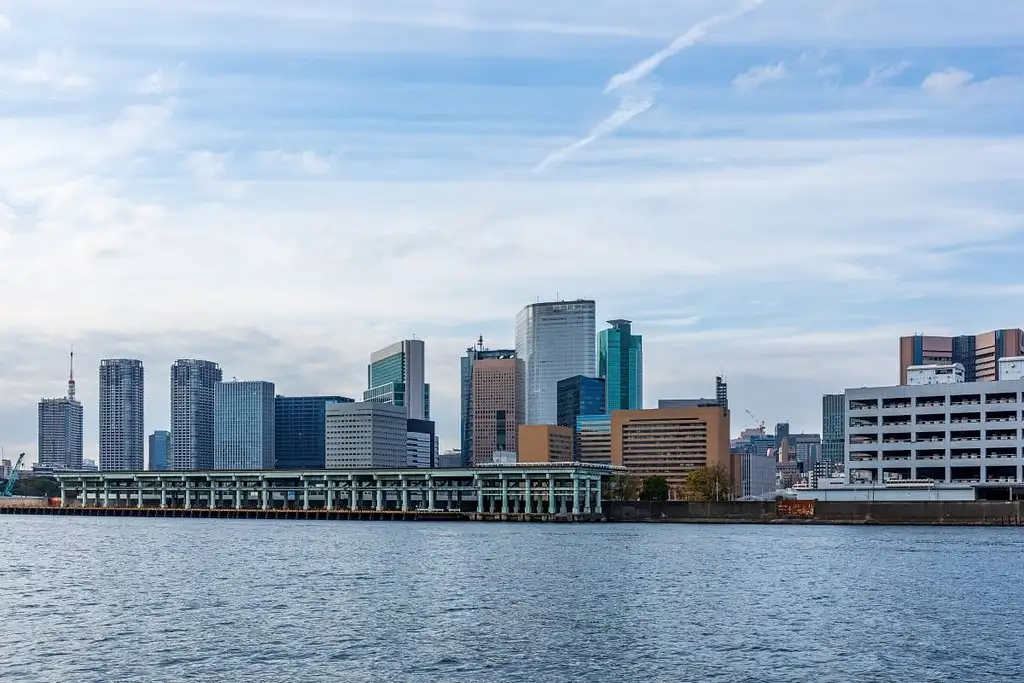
[755, 476]
[122, 429]
[421, 444]
[833, 428]
[396, 375]
[192, 413]
[299, 429]
[243, 426]
[60, 429]
[366, 434]
[159, 450]
[555, 340]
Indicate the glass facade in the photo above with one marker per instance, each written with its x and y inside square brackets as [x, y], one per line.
[299, 430]
[833, 428]
[555, 340]
[621, 364]
[395, 376]
[577, 396]
[593, 438]
[244, 426]
[159, 450]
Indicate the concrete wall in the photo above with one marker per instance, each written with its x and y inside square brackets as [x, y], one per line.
[23, 502]
[918, 512]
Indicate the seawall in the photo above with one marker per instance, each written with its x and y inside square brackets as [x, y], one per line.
[959, 513]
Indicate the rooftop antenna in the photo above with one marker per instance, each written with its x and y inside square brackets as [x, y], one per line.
[71, 375]
[480, 343]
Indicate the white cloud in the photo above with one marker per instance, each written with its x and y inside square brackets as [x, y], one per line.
[760, 75]
[160, 82]
[207, 166]
[54, 69]
[948, 81]
[881, 74]
[5, 23]
[307, 161]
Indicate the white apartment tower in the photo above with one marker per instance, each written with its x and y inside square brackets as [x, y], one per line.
[555, 340]
[121, 427]
[60, 429]
[193, 386]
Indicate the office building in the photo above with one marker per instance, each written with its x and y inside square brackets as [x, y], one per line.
[554, 340]
[1011, 368]
[755, 475]
[670, 442]
[978, 353]
[420, 444]
[299, 431]
[833, 428]
[60, 429]
[473, 354]
[192, 413]
[950, 433]
[396, 375]
[545, 443]
[720, 400]
[244, 425]
[498, 406]
[592, 440]
[620, 362]
[159, 450]
[450, 459]
[122, 430]
[721, 391]
[366, 434]
[577, 396]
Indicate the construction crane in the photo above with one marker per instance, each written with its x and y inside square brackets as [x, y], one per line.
[758, 424]
[13, 479]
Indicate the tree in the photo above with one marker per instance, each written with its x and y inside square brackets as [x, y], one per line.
[708, 484]
[623, 487]
[654, 488]
[37, 486]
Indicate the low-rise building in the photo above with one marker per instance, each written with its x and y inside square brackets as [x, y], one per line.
[593, 439]
[545, 443]
[754, 475]
[366, 434]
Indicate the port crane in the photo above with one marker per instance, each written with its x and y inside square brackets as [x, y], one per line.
[759, 424]
[13, 479]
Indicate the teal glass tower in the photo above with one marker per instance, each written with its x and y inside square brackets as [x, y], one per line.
[620, 363]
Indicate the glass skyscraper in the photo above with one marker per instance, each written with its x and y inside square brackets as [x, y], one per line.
[578, 396]
[396, 375]
[621, 364]
[833, 428]
[244, 426]
[299, 436]
[159, 450]
[555, 340]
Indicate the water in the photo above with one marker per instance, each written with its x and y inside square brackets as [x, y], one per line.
[148, 600]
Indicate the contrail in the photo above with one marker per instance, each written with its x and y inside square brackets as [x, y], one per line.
[631, 106]
[688, 39]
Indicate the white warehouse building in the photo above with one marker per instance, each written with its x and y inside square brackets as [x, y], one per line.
[954, 433]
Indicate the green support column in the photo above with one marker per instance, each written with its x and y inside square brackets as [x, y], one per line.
[106, 493]
[211, 487]
[63, 494]
[329, 501]
[528, 494]
[188, 495]
[551, 495]
[431, 493]
[504, 494]
[305, 493]
[380, 493]
[405, 494]
[597, 498]
[575, 494]
[353, 500]
[479, 483]
[265, 495]
[163, 492]
[238, 493]
[589, 495]
[140, 493]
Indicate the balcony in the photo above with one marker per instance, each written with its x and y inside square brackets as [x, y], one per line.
[1001, 435]
[965, 418]
[1001, 416]
[965, 400]
[931, 401]
[997, 399]
[891, 403]
[1000, 453]
[973, 435]
[931, 419]
[870, 404]
[930, 436]
[965, 454]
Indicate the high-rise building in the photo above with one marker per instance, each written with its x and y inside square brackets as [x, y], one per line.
[421, 444]
[620, 362]
[555, 340]
[721, 391]
[60, 429]
[833, 428]
[978, 353]
[192, 413]
[498, 406]
[366, 434]
[243, 425]
[299, 428]
[122, 408]
[544, 443]
[473, 354]
[159, 450]
[578, 396]
[396, 375]
[592, 441]
[755, 475]
[671, 442]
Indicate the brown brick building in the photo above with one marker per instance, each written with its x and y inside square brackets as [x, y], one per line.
[498, 406]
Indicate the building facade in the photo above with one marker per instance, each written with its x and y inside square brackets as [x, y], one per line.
[620, 362]
[578, 396]
[554, 340]
[967, 432]
[473, 354]
[159, 450]
[545, 443]
[420, 444]
[244, 426]
[60, 428]
[366, 434]
[755, 475]
[592, 440]
[670, 443]
[396, 376]
[300, 424]
[498, 406]
[122, 428]
[833, 428]
[978, 353]
[193, 384]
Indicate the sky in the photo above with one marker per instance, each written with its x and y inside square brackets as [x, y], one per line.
[774, 191]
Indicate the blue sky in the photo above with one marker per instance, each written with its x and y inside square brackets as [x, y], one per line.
[283, 187]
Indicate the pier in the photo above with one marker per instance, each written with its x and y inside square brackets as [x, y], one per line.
[526, 492]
